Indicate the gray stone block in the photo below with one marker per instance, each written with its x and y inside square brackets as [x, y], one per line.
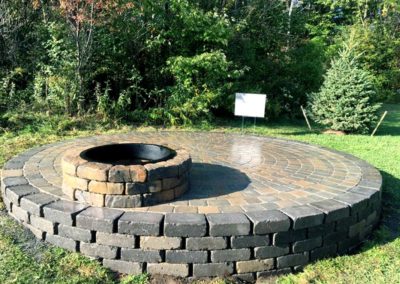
[123, 201]
[62, 242]
[228, 224]
[356, 201]
[254, 265]
[289, 237]
[98, 219]
[269, 221]
[292, 260]
[136, 188]
[77, 234]
[249, 241]
[304, 216]
[323, 252]
[13, 181]
[185, 256]
[173, 269]
[118, 240]
[334, 210]
[244, 277]
[139, 255]
[15, 193]
[230, 255]
[321, 230]
[185, 225]
[160, 242]
[356, 229]
[271, 273]
[270, 251]
[39, 234]
[19, 214]
[34, 203]
[96, 250]
[140, 223]
[63, 211]
[305, 245]
[42, 224]
[206, 243]
[212, 269]
[125, 267]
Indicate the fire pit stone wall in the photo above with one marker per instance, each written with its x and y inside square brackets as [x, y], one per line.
[124, 186]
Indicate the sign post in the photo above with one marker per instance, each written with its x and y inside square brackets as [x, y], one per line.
[250, 105]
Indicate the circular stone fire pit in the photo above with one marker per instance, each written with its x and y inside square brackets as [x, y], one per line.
[257, 206]
[125, 175]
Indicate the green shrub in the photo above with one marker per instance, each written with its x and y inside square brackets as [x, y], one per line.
[345, 100]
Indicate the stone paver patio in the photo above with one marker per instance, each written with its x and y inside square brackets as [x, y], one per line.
[256, 206]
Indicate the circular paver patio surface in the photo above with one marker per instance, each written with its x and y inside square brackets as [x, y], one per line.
[323, 194]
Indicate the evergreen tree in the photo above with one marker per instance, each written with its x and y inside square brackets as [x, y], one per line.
[346, 99]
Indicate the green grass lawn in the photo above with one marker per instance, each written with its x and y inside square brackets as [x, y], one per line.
[25, 260]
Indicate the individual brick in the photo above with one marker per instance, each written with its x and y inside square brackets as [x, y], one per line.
[139, 255]
[106, 187]
[206, 243]
[306, 245]
[228, 224]
[90, 198]
[13, 181]
[19, 213]
[96, 250]
[69, 191]
[15, 193]
[93, 171]
[181, 189]
[63, 211]
[140, 223]
[344, 224]
[71, 160]
[320, 230]
[34, 203]
[161, 170]
[292, 260]
[334, 237]
[125, 267]
[119, 173]
[357, 202]
[185, 256]
[185, 225]
[254, 265]
[356, 229]
[168, 183]
[136, 188]
[323, 252]
[155, 186]
[212, 269]
[270, 251]
[42, 224]
[75, 233]
[244, 277]
[75, 182]
[98, 219]
[39, 234]
[173, 269]
[62, 242]
[7, 203]
[123, 201]
[269, 221]
[288, 237]
[249, 241]
[348, 245]
[230, 255]
[304, 216]
[160, 242]
[334, 210]
[118, 240]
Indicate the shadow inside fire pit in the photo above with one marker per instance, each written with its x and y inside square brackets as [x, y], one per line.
[208, 180]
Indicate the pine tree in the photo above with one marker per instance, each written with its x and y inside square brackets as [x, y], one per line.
[345, 100]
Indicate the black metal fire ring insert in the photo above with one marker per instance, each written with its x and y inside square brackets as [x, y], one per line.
[128, 154]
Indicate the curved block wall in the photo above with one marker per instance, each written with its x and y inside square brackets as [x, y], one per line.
[246, 245]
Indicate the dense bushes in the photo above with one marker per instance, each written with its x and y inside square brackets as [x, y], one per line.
[178, 61]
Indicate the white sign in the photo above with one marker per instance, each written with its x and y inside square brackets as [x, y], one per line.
[251, 105]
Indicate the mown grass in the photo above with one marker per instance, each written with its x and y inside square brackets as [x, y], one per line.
[24, 260]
